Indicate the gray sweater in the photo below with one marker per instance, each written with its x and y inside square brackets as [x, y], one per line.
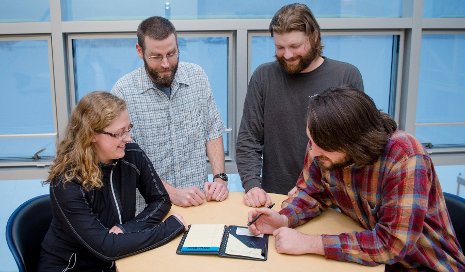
[272, 137]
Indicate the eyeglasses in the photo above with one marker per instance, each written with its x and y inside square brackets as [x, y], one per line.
[159, 58]
[120, 135]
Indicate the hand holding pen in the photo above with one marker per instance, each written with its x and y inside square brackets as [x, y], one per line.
[258, 216]
[270, 220]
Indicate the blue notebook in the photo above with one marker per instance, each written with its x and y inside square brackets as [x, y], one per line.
[225, 241]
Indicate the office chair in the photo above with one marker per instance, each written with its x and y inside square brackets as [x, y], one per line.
[456, 207]
[26, 229]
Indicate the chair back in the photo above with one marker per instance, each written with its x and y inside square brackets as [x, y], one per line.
[26, 229]
[456, 207]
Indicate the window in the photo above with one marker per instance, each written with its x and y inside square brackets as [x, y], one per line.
[440, 118]
[212, 9]
[27, 105]
[444, 9]
[99, 62]
[25, 11]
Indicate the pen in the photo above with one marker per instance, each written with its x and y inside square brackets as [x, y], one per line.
[258, 216]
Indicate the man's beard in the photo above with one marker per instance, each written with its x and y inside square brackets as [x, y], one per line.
[334, 165]
[157, 79]
[304, 62]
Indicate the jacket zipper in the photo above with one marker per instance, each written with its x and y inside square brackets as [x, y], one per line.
[114, 197]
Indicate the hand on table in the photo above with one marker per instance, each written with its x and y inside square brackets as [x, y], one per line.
[216, 190]
[291, 241]
[186, 197]
[257, 197]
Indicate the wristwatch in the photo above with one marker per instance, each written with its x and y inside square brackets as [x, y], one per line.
[222, 176]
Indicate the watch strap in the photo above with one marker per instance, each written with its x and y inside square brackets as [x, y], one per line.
[222, 176]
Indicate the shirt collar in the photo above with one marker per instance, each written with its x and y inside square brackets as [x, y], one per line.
[146, 83]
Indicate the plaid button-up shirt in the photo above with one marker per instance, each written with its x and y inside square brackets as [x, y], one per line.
[173, 131]
[398, 200]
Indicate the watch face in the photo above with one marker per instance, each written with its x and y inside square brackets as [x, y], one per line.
[222, 176]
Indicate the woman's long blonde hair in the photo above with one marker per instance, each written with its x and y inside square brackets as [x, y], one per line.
[76, 157]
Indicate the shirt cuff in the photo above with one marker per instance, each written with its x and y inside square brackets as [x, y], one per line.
[293, 220]
[174, 223]
[251, 184]
[332, 247]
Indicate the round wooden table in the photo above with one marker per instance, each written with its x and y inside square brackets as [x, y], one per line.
[233, 212]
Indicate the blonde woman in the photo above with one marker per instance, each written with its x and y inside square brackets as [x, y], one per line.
[93, 183]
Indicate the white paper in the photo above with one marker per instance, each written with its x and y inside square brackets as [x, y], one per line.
[204, 235]
[246, 232]
[236, 247]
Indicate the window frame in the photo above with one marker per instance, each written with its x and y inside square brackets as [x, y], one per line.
[411, 26]
[26, 161]
[441, 149]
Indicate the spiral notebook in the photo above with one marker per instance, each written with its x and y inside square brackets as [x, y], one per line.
[225, 241]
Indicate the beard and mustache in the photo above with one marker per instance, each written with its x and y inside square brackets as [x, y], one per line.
[322, 162]
[157, 78]
[304, 61]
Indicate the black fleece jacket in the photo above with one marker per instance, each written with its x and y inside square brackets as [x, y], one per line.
[78, 237]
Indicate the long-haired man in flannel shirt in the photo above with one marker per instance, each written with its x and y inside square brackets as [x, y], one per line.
[380, 176]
